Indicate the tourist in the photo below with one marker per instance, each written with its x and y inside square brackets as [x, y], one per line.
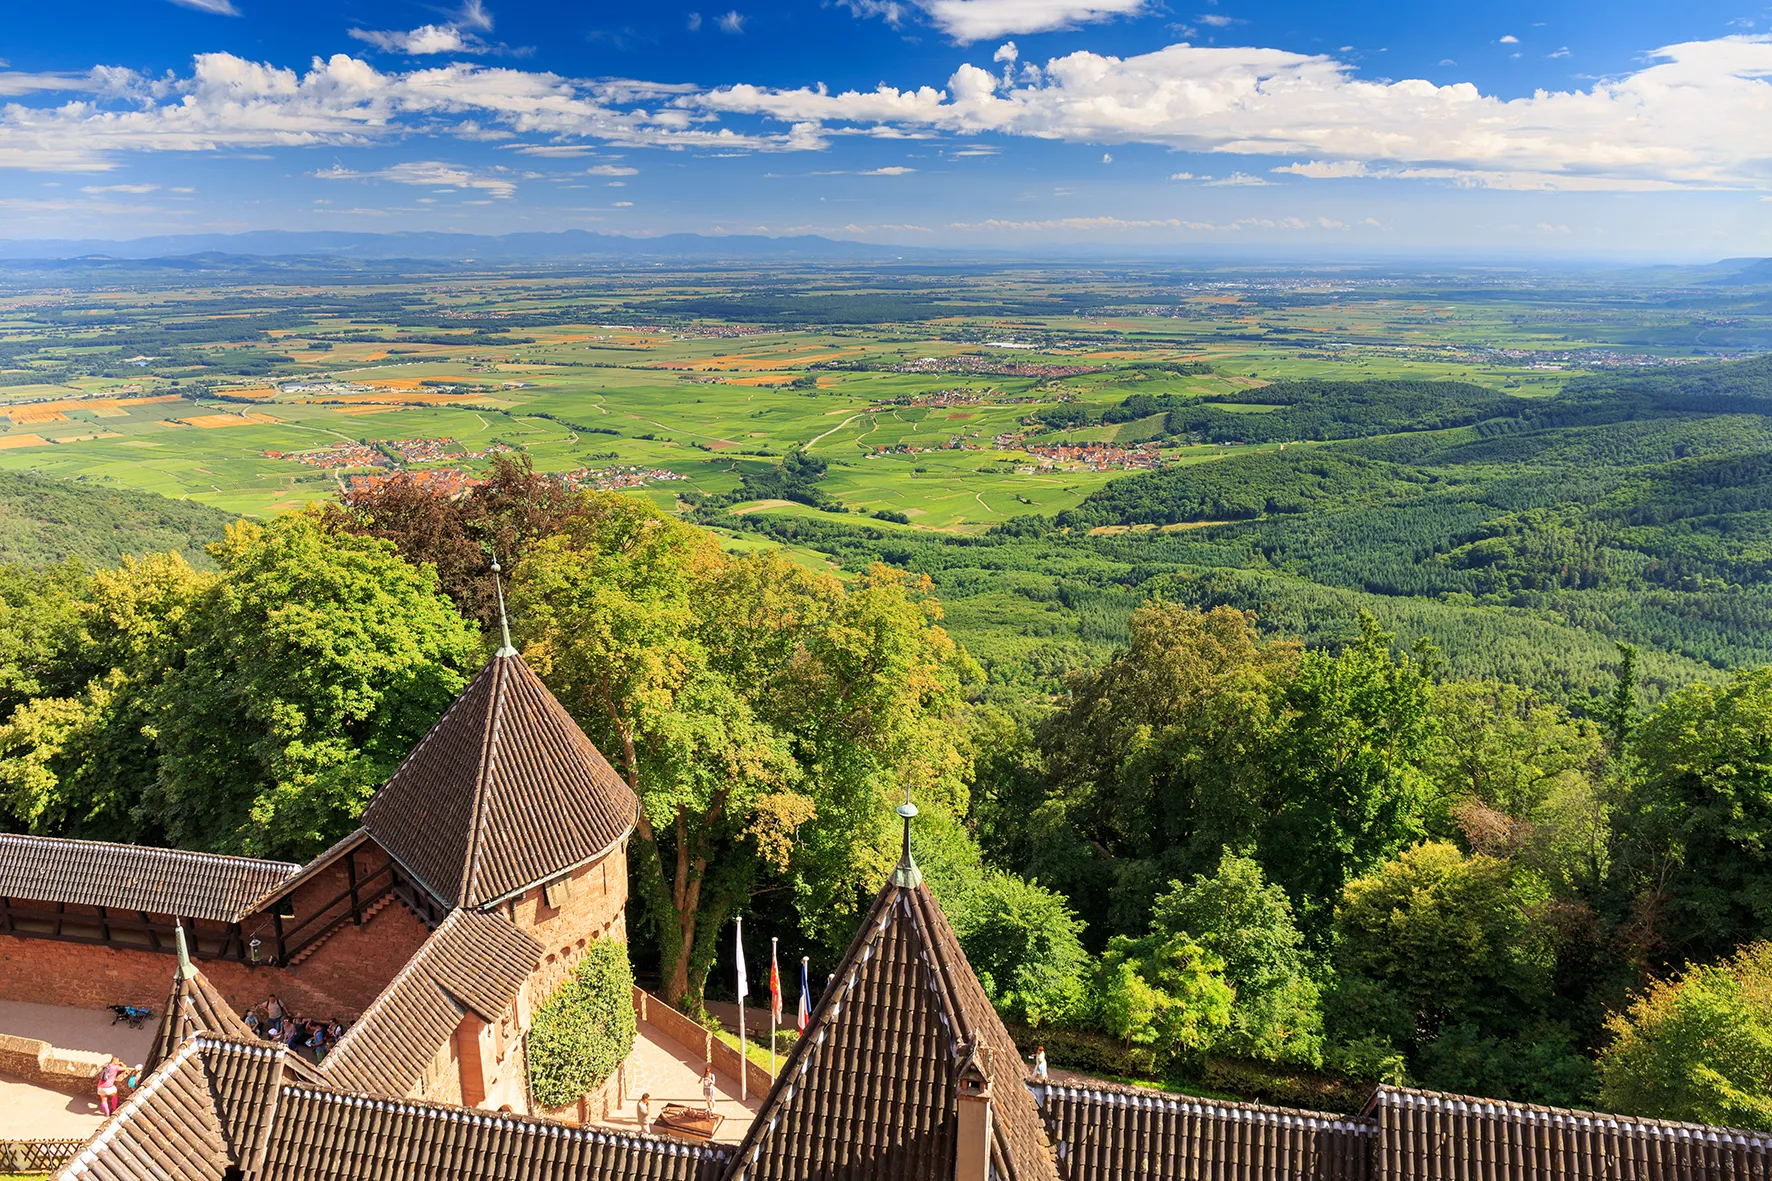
[643, 1111]
[252, 1020]
[1040, 1063]
[107, 1086]
[707, 1087]
[274, 1008]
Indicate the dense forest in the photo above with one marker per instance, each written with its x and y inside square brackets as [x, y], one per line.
[1220, 857]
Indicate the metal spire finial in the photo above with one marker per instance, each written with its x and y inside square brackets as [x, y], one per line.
[907, 876]
[186, 969]
[504, 625]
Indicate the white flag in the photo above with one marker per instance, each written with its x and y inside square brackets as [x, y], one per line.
[744, 984]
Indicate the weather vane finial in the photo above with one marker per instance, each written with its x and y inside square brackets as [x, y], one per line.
[907, 876]
[504, 625]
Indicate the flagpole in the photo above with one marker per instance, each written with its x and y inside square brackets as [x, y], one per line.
[774, 1001]
[744, 990]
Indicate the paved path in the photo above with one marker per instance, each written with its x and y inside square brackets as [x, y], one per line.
[672, 1074]
[78, 1029]
[33, 1113]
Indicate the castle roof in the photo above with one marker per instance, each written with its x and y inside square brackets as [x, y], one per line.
[870, 1091]
[223, 1107]
[472, 961]
[505, 792]
[135, 877]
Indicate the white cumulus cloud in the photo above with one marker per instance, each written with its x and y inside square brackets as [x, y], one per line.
[433, 174]
[1695, 116]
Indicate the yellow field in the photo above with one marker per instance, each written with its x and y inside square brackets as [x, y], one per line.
[210, 422]
[7, 442]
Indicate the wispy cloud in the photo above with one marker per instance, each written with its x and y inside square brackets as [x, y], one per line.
[215, 7]
[611, 170]
[732, 22]
[136, 189]
[426, 39]
[967, 21]
[433, 174]
[889, 170]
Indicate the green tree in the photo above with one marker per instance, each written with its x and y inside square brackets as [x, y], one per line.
[1453, 937]
[1163, 991]
[1156, 760]
[1697, 1047]
[1706, 799]
[1246, 921]
[762, 714]
[1344, 779]
[82, 765]
[1520, 779]
[584, 1031]
[312, 666]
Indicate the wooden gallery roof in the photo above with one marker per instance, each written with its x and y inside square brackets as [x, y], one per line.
[503, 793]
[134, 877]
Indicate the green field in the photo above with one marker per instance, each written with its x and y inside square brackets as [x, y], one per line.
[991, 428]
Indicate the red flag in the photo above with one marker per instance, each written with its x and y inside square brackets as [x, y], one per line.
[774, 988]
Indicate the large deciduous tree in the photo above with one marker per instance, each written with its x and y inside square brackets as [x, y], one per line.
[762, 713]
[1697, 1047]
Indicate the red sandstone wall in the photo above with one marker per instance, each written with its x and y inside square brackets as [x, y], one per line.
[339, 980]
[596, 910]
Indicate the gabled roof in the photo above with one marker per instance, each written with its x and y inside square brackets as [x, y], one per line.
[134, 877]
[472, 961]
[194, 1007]
[869, 1091]
[1106, 1132]
[203, 1111]
[504, 792]
[218, 1105]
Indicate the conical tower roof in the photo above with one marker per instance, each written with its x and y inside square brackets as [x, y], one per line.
[870, 1091]
[504, 792]
[194, 1007]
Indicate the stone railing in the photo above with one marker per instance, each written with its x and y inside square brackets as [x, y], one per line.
[72, 1072]
[690, 1034]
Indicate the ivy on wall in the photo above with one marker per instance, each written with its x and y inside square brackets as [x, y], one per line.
[585, 1030]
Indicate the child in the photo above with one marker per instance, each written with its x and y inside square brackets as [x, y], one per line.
[644, 1111]
[707, 1087]
[1040, 1063]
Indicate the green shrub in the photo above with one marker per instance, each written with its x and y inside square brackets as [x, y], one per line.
[585, 1030]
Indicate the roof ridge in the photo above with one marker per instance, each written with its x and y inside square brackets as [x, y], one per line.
[1383, 1090]
[495, 708]
[197, 854]
[350, 1038]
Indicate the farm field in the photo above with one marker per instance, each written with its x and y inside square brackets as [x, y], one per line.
[1050, 446]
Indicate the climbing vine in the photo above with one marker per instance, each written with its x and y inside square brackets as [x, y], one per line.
[585, 1030]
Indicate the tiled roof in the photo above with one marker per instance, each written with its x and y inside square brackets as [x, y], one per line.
[134, 877]
[471, 961]
[1105, 1132]
[869, 1092]
[203, 1110]
[1426, 1134]
[324, 1134]
[219, 1105]
[321, 861]
[504, 792]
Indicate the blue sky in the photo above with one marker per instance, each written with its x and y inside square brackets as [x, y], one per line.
[1630, 130]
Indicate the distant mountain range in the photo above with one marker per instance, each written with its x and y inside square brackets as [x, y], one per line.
[456, 248]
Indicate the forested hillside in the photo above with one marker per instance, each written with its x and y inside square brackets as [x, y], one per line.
[44, 520]
[1632, 509]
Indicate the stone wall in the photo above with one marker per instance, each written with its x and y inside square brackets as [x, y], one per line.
[596, 909]
[72, 1072]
